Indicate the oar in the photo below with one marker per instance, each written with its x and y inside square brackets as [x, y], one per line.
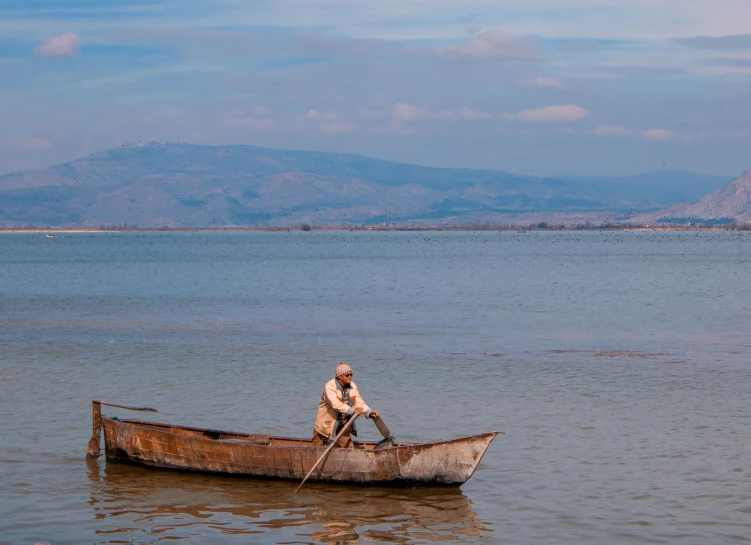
[127, 406]
[382, 427]
[332, 445]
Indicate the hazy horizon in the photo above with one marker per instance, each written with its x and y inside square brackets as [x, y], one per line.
[554, 174]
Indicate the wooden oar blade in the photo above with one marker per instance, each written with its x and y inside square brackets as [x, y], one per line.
[332, 445]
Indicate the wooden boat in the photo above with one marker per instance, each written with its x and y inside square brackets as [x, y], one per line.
[439, 463]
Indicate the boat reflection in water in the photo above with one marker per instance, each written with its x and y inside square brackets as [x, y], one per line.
[133, 504]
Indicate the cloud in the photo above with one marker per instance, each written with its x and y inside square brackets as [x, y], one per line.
[580, 46]
[315, 114]
[550, 114]
[27, 144]
[728, 61]
[641, 71]
[257, 121]
[609, 130]
[329, 121]
[719, 43]
[65, 45]
[658, 135]
[466, 113]
[403, 111]
[375, 77]
[493, 44]
[545, 83]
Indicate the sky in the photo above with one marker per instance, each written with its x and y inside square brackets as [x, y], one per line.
[540, 87]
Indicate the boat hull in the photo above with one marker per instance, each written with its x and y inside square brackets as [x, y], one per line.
[440, 463]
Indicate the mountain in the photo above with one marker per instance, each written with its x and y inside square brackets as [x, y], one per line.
[152, 184]
[730, 202]
[662, 188]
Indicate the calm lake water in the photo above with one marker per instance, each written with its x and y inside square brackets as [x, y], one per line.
[617, 365]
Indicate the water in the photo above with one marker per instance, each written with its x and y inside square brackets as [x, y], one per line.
[616, 364]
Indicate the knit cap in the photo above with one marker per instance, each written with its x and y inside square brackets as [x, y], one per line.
[342, 369]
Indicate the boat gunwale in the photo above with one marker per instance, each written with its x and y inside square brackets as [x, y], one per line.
[398, 445]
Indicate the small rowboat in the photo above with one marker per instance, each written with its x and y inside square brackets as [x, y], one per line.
[439, 463]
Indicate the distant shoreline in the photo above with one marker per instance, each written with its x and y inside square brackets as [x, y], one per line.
[339, 229]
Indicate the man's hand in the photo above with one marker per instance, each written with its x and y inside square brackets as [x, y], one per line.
[374, 414]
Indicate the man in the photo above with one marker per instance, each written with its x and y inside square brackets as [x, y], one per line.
[340, 400]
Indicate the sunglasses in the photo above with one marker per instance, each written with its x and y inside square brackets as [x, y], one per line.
[347, 375]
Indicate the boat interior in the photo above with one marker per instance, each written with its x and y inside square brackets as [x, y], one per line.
[232, 437]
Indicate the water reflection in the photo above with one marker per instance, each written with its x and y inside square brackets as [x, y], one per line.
[133, 504]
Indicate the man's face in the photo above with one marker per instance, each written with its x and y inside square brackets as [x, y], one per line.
[346, 378]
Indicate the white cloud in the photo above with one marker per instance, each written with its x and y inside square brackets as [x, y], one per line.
[440, 19]
[65, 45]
[610, 130]
[492, 44]
[27, 144]
[466, 113]
[550, 114]
[658, 135]
[254, 122]
[330, 121]
[315, 114]
[545, 83]
[719, 43]
[403, 111]
[446, 114]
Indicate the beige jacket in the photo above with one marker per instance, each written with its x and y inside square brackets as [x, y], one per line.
[331, 405]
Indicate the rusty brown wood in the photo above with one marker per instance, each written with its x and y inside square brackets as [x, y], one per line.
[328, 449]
[93, 451]
[440, 463]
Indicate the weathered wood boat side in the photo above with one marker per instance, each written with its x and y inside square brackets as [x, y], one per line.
[440, 463]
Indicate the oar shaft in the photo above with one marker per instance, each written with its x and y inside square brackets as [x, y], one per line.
[332, 445]
[381, 425]
[127, 406]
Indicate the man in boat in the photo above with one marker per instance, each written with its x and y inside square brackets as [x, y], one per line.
[340, 401]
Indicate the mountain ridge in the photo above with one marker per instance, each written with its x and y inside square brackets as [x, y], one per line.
[190, 185]
[730, 202]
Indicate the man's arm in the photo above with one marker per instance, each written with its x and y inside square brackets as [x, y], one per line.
[360, 404]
